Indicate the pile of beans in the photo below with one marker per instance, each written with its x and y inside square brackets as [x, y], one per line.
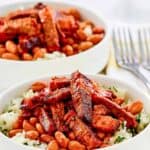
[86, 37]
[80, 37]
[34, 131]
[10, 50]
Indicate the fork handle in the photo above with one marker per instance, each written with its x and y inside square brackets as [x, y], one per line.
[146, 67]
[137, 73]
[144, 79]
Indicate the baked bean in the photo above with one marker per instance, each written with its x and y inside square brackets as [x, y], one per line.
[2, 50]
[14, 132]
[33, 120]
[69, 41]
[119, 101]
[11, 47]
[135, 107]
[39, 128]
[85, 45]
[81, 35]
[19, 49]
[46, 138]
[95, 38]
[101, 135]
[61, 139]
[32, 134]
[83, 24]
[75, 46]
[44, 50]
[27, 56]
[18, 123]
[75, 145]
[39, 53]
[53, 145]
[38, 86]
[98, 30]
[75, 13]
[2, 45]
[107, 138]
[27, 126]
[71, 135]
[88, 22]
[35, 49]
[10, 56]
[68, 50]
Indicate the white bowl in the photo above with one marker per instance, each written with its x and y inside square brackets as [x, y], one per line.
[139, 142]
[90, 61]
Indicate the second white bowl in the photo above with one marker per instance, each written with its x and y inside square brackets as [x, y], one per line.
[139, 142]
[90, 61]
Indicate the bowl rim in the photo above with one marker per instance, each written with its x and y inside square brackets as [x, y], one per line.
[99, 77]
[70, 4]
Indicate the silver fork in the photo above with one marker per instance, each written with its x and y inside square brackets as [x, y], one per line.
[144, 45]
[125, 53]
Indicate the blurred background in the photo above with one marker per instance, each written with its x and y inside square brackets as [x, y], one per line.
[117, 11]
[122, 11]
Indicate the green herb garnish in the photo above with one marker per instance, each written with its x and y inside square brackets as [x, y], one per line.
[4, 122]
[25, 143]
[4, 131]
[10, 111]
[138, 118]
[133, 131]
[119, 139]
[114, 88]
[123, 125]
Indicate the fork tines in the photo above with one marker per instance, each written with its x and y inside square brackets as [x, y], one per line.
[125, 51]
[144, 46]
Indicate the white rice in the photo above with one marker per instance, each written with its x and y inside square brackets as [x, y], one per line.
[52, 56]
[21, 139]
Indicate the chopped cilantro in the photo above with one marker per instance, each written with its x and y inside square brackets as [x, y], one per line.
[4, 122]
[123, 125]
[36, 144]
[5, 131]
[138, 118]
[25, 143]
[119, 139]
[114, 88]
[133, 131]
[10, 111]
